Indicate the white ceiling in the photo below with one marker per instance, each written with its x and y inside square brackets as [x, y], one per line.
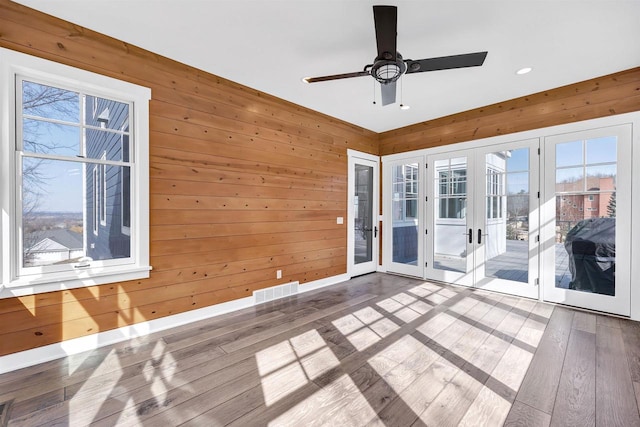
[271, 45]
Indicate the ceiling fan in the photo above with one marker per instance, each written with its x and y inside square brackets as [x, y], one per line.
[389, 65]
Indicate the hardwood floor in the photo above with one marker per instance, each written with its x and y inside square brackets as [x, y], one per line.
[379, 350]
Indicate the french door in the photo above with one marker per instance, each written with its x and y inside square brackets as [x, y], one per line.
[362, 235]
[404, 216]
[586, 214]
[482, 216]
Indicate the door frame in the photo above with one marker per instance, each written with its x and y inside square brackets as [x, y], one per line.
[620, 303]
[460, 278]
[387, 261]
[357, 157]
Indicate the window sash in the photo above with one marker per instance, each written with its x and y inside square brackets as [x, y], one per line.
[91, 225]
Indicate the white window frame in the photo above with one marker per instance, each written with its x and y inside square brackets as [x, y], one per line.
[103, 191]
[409, 178]
[452, 184]
[12, 65]
[123, 228]
[495, 191]
[96, 200]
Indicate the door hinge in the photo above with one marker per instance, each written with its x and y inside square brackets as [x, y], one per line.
[426, 165]
[538, 151]
[426, 199]
[426, 264]
[426, 231]
[537, 281]
[538, 238]
[538, 194]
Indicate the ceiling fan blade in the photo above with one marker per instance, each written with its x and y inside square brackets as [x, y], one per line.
[336, 77]
[388, 93]
[446, 62]
[386, 22]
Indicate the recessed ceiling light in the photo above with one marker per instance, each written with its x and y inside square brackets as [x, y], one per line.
[404, 107]
[524, 70]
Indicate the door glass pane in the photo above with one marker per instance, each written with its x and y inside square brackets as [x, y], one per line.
[363, 221]
[450, 247]
[507, 215]
[405, 213]
[586, 216]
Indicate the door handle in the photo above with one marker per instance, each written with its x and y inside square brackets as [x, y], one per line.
[470, 235]
[479, 236]
[374, 229]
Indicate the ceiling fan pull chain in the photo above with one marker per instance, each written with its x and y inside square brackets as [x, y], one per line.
[374, 92]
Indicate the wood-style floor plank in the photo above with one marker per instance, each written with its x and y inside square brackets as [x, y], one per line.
[584, 321]
[378, 350]
[522, 415]
[541, 382]
[576, 399]
[615, 397]
[631, 336]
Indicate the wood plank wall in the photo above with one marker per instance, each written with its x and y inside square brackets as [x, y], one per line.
[603, 96]
[242, 184]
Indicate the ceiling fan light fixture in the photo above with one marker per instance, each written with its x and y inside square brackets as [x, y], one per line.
[404, 107]
[524, 70]
[387, 71]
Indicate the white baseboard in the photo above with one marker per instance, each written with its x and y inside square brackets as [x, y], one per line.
[23, 359]
[317, 284]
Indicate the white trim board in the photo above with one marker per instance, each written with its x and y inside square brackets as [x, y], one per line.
[23, 359]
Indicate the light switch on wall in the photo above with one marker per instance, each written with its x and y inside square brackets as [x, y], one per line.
[279, 274]
[340, 220]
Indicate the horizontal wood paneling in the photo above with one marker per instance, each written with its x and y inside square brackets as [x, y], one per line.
[613, 94]
[242, 184]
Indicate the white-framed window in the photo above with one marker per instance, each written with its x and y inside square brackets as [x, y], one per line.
[405, 192]
[495, 193]
[64, 164]
[452, 192]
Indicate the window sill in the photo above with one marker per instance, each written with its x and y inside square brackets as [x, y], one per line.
[62, 281]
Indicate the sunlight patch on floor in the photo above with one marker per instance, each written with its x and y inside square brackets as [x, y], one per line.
[405, 307]
[275, 357]
[436, 324]
[489, 409]
[289, 365]
[365, 327]
[353, 408]
[283, 382]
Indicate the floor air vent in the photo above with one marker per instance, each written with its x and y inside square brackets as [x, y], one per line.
[275, 292]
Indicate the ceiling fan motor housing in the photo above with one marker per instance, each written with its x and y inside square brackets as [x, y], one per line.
[386, 70]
